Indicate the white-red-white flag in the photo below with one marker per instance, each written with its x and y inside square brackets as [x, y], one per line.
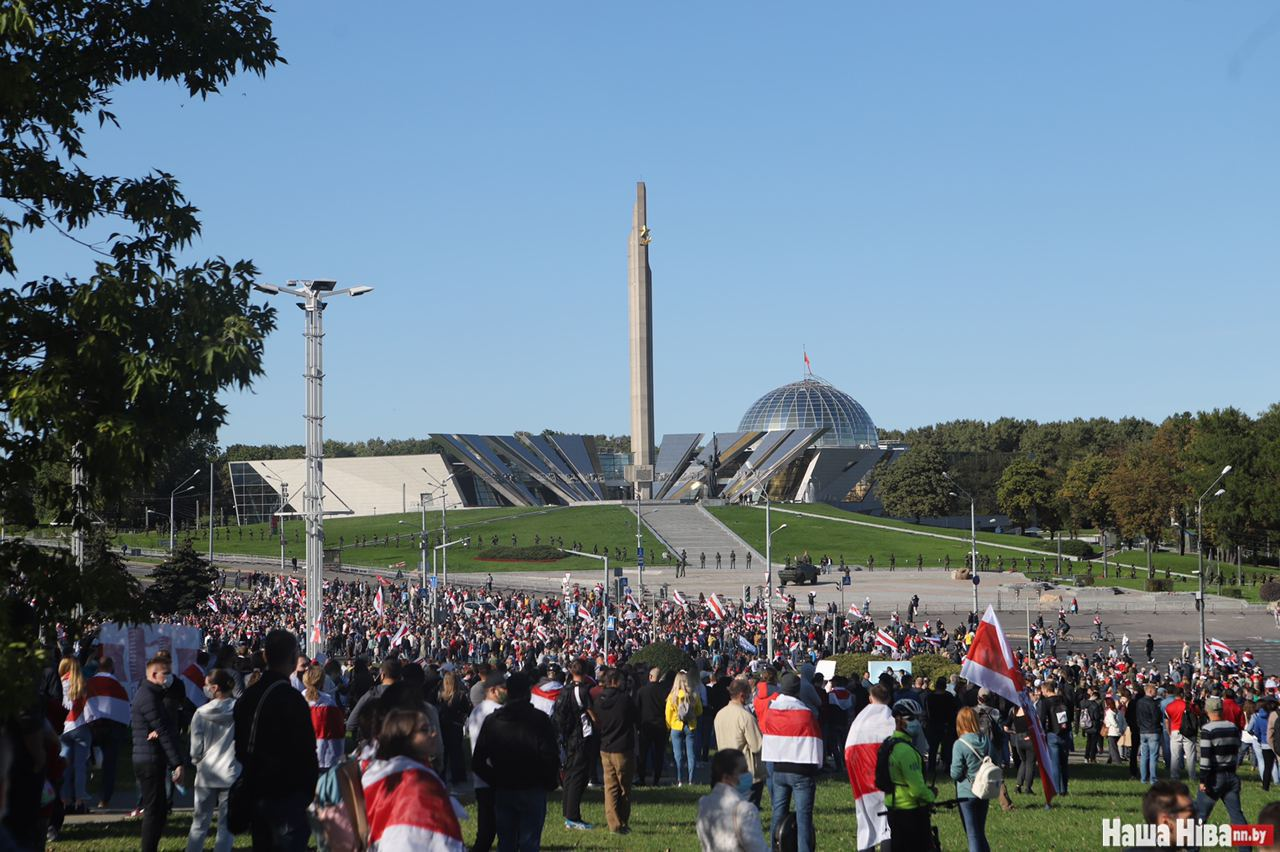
[716, 607]
[861, 747]
[213, 605]
[377, 603]
[990, 663]
[1217, 648]
[409, 807]
[854, 611]
[584, 613]
[677, 597]
[791, 732]
[399, 636]
[885, 638]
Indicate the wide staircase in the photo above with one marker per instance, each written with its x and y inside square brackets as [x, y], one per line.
[692, 529]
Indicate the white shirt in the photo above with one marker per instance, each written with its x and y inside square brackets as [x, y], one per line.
[729, 823]
[475, 721]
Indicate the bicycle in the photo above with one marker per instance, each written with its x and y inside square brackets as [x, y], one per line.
[1105, 636]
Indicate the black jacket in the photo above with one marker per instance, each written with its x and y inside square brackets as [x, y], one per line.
[1148, 715]
[284, 755]
[517, 749]
[651, 705]
[616, 719]
[147, 714]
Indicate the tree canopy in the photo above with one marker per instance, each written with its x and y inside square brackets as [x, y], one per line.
[914, 486]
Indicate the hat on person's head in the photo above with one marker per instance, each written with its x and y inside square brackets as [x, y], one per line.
[790, 684]
[983, 693]
[1213, 704]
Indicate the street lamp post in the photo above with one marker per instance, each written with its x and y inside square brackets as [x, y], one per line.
[172, 495]
[442, 547]
[313, 293]
[973, 535]
[768, 578]
[1200, 550]
[604, 615]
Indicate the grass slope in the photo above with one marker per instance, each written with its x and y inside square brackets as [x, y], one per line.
[664, 818]
[594, 526]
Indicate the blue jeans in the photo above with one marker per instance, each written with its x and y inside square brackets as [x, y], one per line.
[1056, 746]
[785, 785]
[1148, 752]
[973, 813]
[75, 750]
[519, 816]
[1226, 790]
[682, 744]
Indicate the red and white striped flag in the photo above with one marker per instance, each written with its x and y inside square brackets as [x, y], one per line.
[716, 607]
[990, 663]
[316, 638]
[381, 581]
[791, 732]
[584, 613]
[885, 638]
[854, 611]
[861, 747]
[193, 684]
[544, 695]
[1217, 648]
[107, 699]
[409, 808]
[631, 599]
[377, 602]
[677, 597]
[541, 632]
[213, 605]
[399, 635]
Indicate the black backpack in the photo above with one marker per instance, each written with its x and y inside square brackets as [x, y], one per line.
[1189, 727]
[884, 781]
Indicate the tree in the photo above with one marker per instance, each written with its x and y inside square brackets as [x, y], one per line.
[913, 486]
[115, 369]
[1027, 495]
[1141, 491]
[182, 583]
[1083, 493]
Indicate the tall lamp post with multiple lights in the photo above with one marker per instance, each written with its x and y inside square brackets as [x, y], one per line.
[1200, 549]
[172, 495]
[769, 532]
[313, 293]
[973, 533]
[604, 617]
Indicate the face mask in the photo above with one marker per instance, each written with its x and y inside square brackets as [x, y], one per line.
[744, 784]
[913, 728]
[210, 691]
[168, 680]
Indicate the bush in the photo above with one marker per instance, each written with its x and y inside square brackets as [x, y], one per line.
[533, 553]
[1269, 591]
[1077, 549]
[1158, 584]
[1232, 592]
[1084, 579]
[925, 665]
[665, 656]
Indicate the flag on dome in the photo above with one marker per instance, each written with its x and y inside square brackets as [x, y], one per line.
[990, 663]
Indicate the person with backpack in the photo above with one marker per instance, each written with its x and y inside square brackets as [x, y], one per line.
[1091, 725]
[683, 709]
[977, 778]
[1184, 733]
[900, 775]
[575, 719]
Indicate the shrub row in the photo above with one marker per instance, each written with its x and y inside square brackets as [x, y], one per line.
[532, 553]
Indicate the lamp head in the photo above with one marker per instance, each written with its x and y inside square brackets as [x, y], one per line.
[1226, 470]
[269, 289]
[781, 528]
[952, 494]
[1219, 492]
[360, 290]
[317, 285]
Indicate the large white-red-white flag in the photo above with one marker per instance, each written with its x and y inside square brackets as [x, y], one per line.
[716, 607]
[378, 606]
[990, 663]
[861, 747]
[1217, 648]
[854, 611]
[409, 808]
[791, 732]
[885, 638]
[107, 699]
[677, 597]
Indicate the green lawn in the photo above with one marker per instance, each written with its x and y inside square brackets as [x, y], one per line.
[664, 818]
[594, 526]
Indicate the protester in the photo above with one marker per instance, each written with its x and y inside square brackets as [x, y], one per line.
[280, 765]
[1219, 758]
[908, 798]
[575, 719]
[1149, 723]
[736, 728]
[495, 693]
[454, 706]
[1055, 720]
[1166, 804]
[213, 751]
[683, 708]
[107, 711]
[517, 755]
[158, 752]
[326, 719]
[407, 804]
[651, 700]
[616, 717]
[76, 739]
[966, 757]
[727, 822]
[792, 742]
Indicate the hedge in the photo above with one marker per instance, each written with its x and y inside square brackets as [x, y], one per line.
[1269, 591]
[923, 665]
[665, 656]
[1078, 549]
[1231, 592]
[533, 553]
[1158, 584]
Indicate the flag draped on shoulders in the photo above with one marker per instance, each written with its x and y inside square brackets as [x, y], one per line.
[544, 695]
[107, 699]
[870, 728]
[791, 732]
[990, 663]
[409, 808]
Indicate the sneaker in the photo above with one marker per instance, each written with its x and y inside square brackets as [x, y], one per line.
[577, 825]
[623, 830]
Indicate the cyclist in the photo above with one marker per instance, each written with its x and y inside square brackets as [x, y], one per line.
[908, 798]
[1097, 626]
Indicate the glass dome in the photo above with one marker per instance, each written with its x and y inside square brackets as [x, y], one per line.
[810, 403]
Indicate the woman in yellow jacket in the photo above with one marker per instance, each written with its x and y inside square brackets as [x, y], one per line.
[683, 709]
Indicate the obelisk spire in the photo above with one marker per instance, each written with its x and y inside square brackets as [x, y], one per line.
[640, 290]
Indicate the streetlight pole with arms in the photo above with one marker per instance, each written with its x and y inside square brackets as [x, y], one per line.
[172, 495]
[1200, 550]
[973, 534]
[313, 293]
[604, 617]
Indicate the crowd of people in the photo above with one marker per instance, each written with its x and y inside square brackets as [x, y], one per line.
[507, 696]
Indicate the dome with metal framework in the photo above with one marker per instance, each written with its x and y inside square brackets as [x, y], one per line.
[808, 404]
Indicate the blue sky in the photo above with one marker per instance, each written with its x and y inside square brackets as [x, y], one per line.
[1040, 210]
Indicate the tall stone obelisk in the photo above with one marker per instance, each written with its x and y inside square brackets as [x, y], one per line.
[640, 290]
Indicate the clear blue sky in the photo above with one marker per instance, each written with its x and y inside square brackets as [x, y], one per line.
[1041, 210]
